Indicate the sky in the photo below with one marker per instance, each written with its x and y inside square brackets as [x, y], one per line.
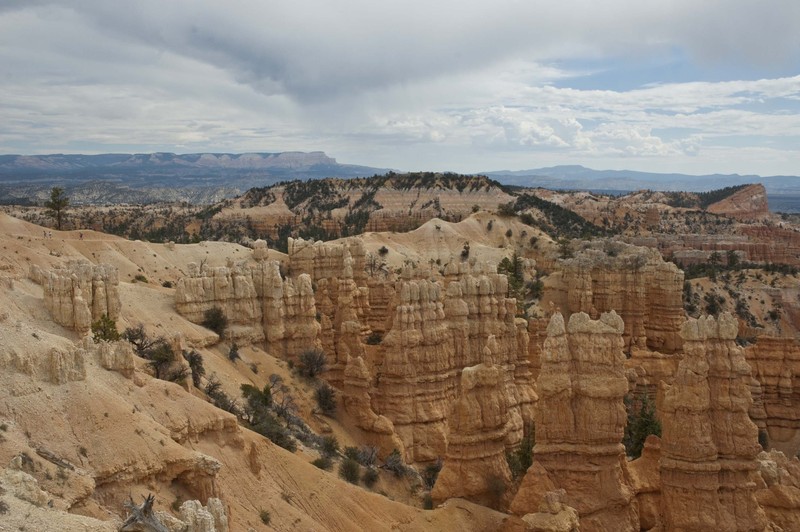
[466, 86]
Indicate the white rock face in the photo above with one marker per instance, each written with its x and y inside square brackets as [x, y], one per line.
[79, 293]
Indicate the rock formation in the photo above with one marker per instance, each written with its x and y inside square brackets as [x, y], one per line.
[776, 368]
[749, 203]
[475, 466]
[79, 293]
[779, 495]
[230, 288]
[709, 445]
[552, 515]
[646, 483]
[580, 422]
[633, 281]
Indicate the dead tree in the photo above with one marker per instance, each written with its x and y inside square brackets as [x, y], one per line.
[142, 518]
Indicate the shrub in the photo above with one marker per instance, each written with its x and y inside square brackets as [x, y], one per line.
[233, 354]
[219, 398]
[352, 452]
[521, 458]
[427, 502]
[326, 399]
[141, 342]
[330, 446]
[465, 251]
[490, 225]
[394, 463]
[496, 487]
[431, 472]
[215, 320]
[167, 284]
[265, 517]
[383, 250]
[641, 423]
[374, 338]
[509, 233]
[195, 361]
[476, 208]
[350, 470]
[139, 277]
[323, 462]
[105, 330]
[312, 363]
[370, 477]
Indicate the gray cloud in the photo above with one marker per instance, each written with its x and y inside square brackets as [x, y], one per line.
[466, 80]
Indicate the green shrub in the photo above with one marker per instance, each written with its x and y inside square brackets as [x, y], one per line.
[394, 463]
[265, 517]
[521, 458]
[350, 470]
[326, 399]
[370, 477]
[329, 446]
[323, 462]
[431, 472]
[312, 363]
[167, 284]
[195, 361]
[374, 338]
[139, 277]
[642, 422]
[105, 330]
[233, 354]
[215, 320]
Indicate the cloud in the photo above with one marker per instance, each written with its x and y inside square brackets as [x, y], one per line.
[396, 83]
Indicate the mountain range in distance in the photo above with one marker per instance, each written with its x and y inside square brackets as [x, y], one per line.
[209, 177]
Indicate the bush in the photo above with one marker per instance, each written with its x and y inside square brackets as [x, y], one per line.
[105, 330]
[352, 452]
[465, 251]
[383, 250]
[374, 338]
[427, 502]
[233, 354]
[326, 399]
[431, 473]
[265, 517]
[394, 463]
[350, 470]
[312, 363]
[139, 277]
[330, 446]
[642, 422]
[167, 284]
[509, 233]
[219, 398]
[370, 477]
[195, 361]
[215, 320]
[521, 458]
[323, 462]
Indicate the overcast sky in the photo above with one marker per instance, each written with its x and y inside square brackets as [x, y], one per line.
[656, 85]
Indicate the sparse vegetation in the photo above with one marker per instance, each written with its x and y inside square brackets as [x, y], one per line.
[215, 320]
[521, 458]
[350, 470]
[105, 330]
[265, 516]
[325, 396]
[394, 463]
[642, 422]
[312, 363]
[370, 477]
[57, 205]
[430, 473]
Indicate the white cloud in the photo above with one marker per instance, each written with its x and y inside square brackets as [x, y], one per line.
[460, 85]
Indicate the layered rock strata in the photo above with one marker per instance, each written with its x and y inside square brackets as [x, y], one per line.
[476, 430]
[779, 495]
[433, 334]
[79, 293]
[553, 515]
[580, 422]
[709, 446]
[633, 281]
[776, 369]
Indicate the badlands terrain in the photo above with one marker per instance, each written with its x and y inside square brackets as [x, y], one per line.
[494, 359]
